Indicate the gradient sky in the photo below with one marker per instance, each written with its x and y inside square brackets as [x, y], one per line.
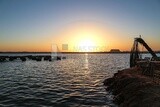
[30, 25]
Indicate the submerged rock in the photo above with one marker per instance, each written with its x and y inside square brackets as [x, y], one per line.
[132, 89]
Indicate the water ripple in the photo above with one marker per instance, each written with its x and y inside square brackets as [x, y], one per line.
[74, 82]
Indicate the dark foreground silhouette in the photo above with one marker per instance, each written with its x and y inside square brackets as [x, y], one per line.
[132, 89]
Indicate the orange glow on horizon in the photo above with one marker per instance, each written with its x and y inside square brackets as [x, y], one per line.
[85, 37]
[80, 37]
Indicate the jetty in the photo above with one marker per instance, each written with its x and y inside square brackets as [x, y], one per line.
[31, 57]
[51, 56]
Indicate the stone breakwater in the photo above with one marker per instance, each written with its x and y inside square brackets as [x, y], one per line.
[132, 89]
[31, 57]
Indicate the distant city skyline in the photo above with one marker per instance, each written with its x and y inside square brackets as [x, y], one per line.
[34, 25]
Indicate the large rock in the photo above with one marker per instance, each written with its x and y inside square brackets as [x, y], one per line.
[131, 89]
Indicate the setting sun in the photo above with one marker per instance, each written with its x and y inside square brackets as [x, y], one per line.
[86, 45]
[84, 37]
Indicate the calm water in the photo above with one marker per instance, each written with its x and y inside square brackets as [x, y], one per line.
[75, 82]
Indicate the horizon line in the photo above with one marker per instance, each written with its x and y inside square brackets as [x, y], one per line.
[74, 52]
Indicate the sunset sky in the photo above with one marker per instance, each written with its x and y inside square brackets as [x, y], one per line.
[36, 25]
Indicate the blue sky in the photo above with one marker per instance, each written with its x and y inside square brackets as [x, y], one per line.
[25, 21]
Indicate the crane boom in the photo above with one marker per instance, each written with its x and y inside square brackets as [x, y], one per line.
[135, 54]
[141, 41]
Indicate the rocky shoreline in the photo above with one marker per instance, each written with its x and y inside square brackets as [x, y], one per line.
[132, 89]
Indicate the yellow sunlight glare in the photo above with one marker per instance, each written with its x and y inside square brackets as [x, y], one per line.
[86, 45]
[84, 37]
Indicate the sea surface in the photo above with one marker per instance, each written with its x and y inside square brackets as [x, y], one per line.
[73, 82]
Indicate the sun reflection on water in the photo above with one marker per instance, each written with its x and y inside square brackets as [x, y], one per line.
[86, 61]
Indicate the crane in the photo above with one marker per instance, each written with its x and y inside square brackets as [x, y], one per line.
[135, 54]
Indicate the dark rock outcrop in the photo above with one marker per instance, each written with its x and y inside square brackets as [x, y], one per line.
[131, 89]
